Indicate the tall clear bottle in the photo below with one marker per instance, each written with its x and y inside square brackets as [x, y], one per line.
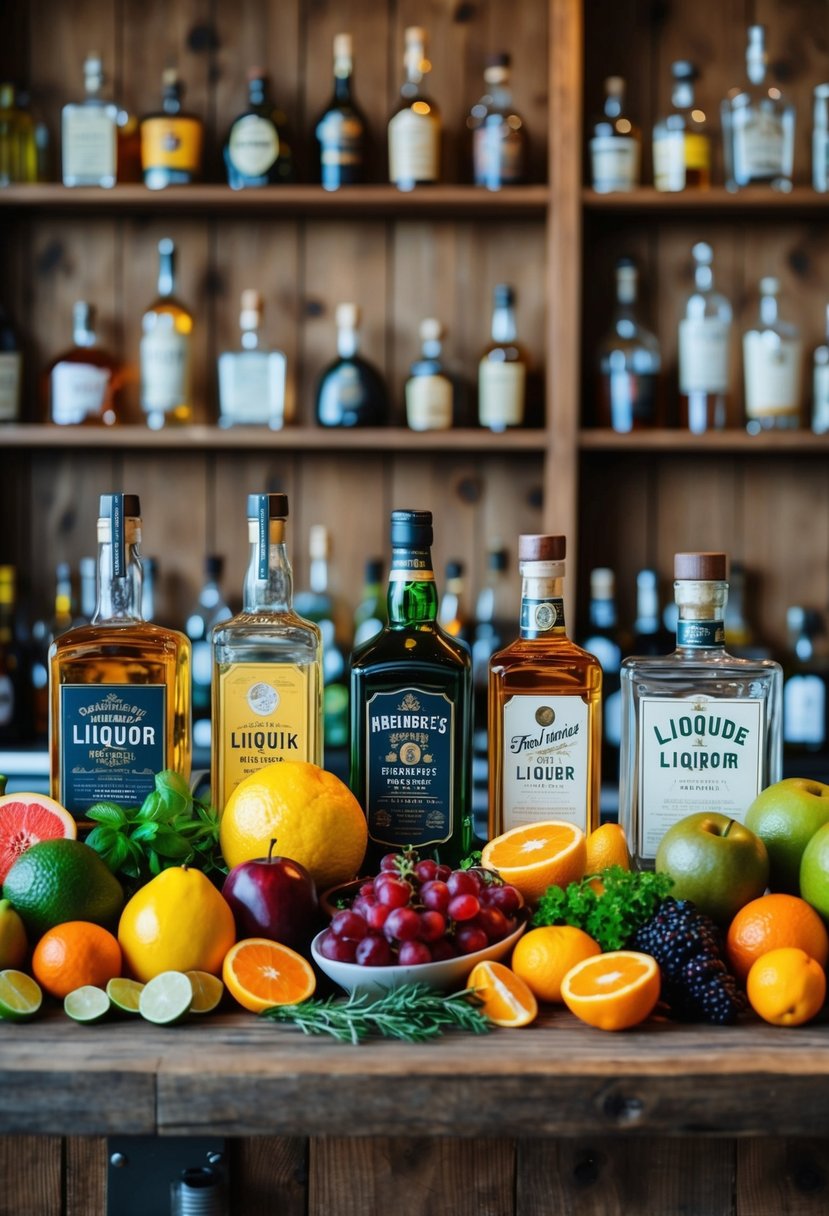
[415, 127]
[545, 715]
[772, 366]
[89, 133]
[166, 349]
[629, 361]
[615, 144]
[499, 136]
[681, 145]
[607, 642]
[701, 729]
[119, 688]
[252, 380]
[704, 350]
[267, 665]
[210, 610]
[758, 125]
[502, 370]
[820, 384]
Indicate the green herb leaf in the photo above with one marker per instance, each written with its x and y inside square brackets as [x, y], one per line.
[173, 791]
[107, 812]
[612, 915]
[152, 807]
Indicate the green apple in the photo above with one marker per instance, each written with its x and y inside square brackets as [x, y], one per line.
[715, 861]
[814, 872]
[786, 816]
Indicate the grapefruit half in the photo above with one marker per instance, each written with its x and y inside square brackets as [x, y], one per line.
[26, 819]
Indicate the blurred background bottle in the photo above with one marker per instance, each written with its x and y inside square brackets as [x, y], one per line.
[210, 609]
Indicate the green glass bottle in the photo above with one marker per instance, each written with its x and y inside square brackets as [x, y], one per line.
[411, 714]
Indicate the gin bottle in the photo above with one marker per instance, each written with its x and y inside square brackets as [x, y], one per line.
[704, 350]
[701, 730]
[629, 361]
[616, 143]
[89, 133]
[772, 366]
[758, 126]
[252, 380]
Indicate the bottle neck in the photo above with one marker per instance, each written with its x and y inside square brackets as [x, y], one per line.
[268, 585]
[504, 328]
[250, 339]
[318, 575]
[701, 615]
[683, 95]
[166, 275]
[413, 596]
[703, 277]
[119, 586]
[347, 342]
[769, 312]
[756, 65]
[542, 600]
[342, 80]
[82, 334]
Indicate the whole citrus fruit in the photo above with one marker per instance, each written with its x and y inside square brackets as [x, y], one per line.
[786, 987]
[786, 815]
[60, 880]
[613, 991]
[312, 815]
[74, 954]
[26, 819]
[607, 846]
[814, 872]
[771, 922]
[177, 922]
[14, 945]
[536, 856]
[543, 956]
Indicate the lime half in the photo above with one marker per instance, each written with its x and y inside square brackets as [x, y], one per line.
[125, 994]
[20, 996]
[87, 1004]
[166, 998]
[208, 990]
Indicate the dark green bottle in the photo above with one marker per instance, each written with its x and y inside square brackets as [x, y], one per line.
[411, 714]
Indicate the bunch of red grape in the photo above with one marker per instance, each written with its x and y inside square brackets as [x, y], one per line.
[417, 911]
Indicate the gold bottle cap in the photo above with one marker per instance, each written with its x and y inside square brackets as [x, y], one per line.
[533, 548]
[701, 567]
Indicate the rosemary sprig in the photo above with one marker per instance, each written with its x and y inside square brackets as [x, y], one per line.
[413, 1013]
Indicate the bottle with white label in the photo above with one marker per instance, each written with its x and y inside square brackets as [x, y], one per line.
[701, 729]
[341, 130]
[415, 127]
[820, 384]
[11, 370]
[257, 151]
[252, 380]
[429, 390]
[758, 125]
[499, 136]
[84, 382]
[704, 350]
[616, 144]
[166, 349]
[806, 687]
[772, 366]
[544, 707]
[681, 144]
[89, 133]
[820, 139]
[502, 371]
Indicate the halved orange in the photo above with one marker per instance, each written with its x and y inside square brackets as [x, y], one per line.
[260, 973]
[505, 998]
[614, 990]
[536, 856]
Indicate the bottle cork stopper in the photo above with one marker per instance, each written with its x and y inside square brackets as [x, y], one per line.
[347, 316]
[343, 46]
[614, 86]
[602, 583]
[430, 329]
[700, 567]
[542, 548]
[415, 35]
[256, 73]
[169, 77]
[251, 300]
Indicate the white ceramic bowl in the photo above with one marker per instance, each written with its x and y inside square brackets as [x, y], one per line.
[446, 974]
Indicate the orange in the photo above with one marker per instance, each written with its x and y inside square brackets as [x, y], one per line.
[536, 856]
[607, 846]
[313, 816]
[786, 987]
[614, 990]
[771, 922]
[543, 957]
[260, 973]
[26, 819]
[75, 954]
[505, 998]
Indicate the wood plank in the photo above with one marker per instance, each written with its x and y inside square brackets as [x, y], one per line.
[86, 1175]
[779, 1177]
[268, 1175]
[30, 1167]
[754, 200]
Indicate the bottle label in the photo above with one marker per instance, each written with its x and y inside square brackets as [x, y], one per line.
[113, 741]
[172, 143]
[411, 566]
[700, 634]
[697, 754]
[11, 365]
[414, 147]
[820, 160]
[544, 765]
[498, 154]
[501, 391]
[165, 371]
[6, 701]
[759, 146]
[340, 137]
[615, 161]
[410, 767]
[772, 374]
[703, 355]
[79, 392]
[804, 710]
[89, 148]
[669, 161]
[265, 716]
[539, 617]
[253, 145]
[697, 151]
[252, 388]
[429, 403]
[820, 399]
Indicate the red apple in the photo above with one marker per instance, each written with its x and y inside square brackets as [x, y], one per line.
[273, 897]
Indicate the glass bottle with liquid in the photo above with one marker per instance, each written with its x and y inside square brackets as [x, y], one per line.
[758, 125]
[171, 139]
[502, 370]
[629, 361]
[615, 144]
[84, 382]
[681, 144]
[820, 384]
[704, 350]
[351, 391]
[252, 380]
[89, 133]
[341, 130]
[165, 350]
[415, 127]
[499, 136]
[257, 151]
[429, 390]
[772, 366]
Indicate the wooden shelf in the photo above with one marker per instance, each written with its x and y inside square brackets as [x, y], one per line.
[717, 201]
[768, 443]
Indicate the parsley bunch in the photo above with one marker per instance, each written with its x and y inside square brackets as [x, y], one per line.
[625, 899]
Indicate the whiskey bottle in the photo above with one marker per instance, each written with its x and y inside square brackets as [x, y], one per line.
[411, 713]
[257, 151]
[84, 382]
[341, 130]
[544, 707]
[772, 366]
[820, 384]
[629, 361]
[171, 139]
[758, 126]
[267, 664]
[11, 370]
[502, 370]
[351, 391]
[371, 613]
[806, 686]
[605, 640]
[415, 127]
[499, 137]
[615, 144]
[681, 145]
[704, 350]
[119, 687]
[429, 390]
[318, 604]
[18, 149]
[252, 380]
[165, 350]
[210, 609]
[89, 133]
[701, 729]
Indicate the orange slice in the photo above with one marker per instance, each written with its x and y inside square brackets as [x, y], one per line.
[260, 974]
[506, 999]
[536, 856]
[614, 990]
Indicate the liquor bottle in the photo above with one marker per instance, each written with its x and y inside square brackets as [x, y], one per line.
[544, 707]
[171, 139]
[429, 390]
[649, 634]
[740, 634]
[12, 668]
[499, 137]
[820, 139]
[11, 370]
[453, 616]
[494, 628]
[89, 133]
[87, 590]
[84, 382]
[772, 366]
[605, 641]
[18, 150]
[629, 362]
[371, 613]
[210, 610]
[257, 151]
[681, 144]
[351, 391]
[411, 713]
[43, 633]
[758, 126]
[806, 686]
[704, 350]
[341, 130]
[317, 604]
[120, 686]
[165, 351]
[415, 127]
[502, 370]
[820, 384]
[252, 380]
[701, 729]
[616, 143]
[267, 665]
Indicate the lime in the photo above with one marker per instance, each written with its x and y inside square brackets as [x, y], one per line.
[60, 880]
[208, 990]
[20, 996]
[125, 994]
[13, 944]
[166, 998]
[786, 816]
[814, 872]
[87, 1004]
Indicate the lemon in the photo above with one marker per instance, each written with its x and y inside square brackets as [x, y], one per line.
[13, 943]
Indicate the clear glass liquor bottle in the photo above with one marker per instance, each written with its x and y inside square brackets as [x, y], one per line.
[629, 361]
[772, 366]
[615, 144]
[544, 707]
[257, 151]
[502, 370]
[499, 137]
[210, 610]
[806, 686]
[820, 384]
[120, 686]
[681, 144]
[758, 126]
[429, 390]
[317, 603]
[341, 130]
[704, 350]
[415, 127]
[84, 382]
[649, 634]
[267, 665]
[701, 729]
[89, 133]
[252, 380]
[351, 391]
[820, 138]
[411, 713]
[166, 349]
